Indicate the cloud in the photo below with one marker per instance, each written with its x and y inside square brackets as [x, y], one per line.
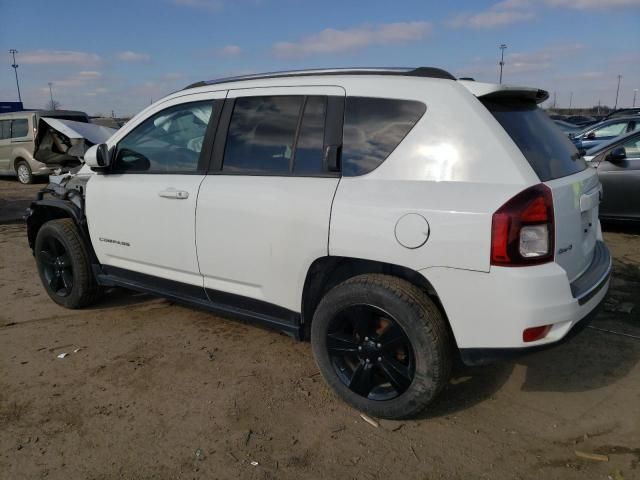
[129, 56]
[498, 15]
[203, 4]
[78, 79]
[229, 51]
[58, 57]
[331, 40]
[593, 4]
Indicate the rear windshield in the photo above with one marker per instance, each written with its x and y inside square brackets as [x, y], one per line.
[549, 152]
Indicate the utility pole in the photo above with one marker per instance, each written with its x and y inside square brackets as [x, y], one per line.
[617, 92]
[503, 46]
[15, 66]
[570, 100]
[53, 105]
[554, 99]
[635, 92]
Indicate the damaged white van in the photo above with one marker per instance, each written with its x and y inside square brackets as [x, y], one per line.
[396, 218]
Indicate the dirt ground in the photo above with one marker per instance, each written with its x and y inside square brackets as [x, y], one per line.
[155, 390]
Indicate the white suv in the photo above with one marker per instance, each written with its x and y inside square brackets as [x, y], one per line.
[394, 217]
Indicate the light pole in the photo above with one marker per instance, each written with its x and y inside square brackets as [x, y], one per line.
[570, 100]
[13, 52]
[53, 105]
[635, 92]
[503, 46]
[617, 92]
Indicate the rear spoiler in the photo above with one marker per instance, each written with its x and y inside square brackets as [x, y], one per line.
[494, 91]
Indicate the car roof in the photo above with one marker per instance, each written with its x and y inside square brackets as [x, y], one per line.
[604, 145]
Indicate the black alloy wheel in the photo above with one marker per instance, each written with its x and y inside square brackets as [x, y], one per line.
[370, 352]
[57, 267]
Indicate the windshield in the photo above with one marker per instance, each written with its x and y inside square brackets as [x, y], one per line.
[549, 152]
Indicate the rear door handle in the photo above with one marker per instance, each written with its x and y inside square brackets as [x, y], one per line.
[173, 193]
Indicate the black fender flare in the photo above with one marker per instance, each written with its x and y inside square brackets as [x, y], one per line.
[43, 210]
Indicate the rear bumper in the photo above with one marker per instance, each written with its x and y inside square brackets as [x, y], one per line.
[488, 312]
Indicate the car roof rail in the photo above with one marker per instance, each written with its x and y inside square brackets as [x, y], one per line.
[430, 72]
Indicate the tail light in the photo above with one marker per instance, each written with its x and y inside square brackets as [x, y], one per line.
[522, 230]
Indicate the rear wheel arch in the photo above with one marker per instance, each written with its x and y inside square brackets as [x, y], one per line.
[327, 272]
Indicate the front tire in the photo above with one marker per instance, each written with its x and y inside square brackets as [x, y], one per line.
[63, 264]
[382, 345]
[24, 173]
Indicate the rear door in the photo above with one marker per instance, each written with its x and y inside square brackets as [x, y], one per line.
[575, 187]
[142, 213]
[264, 208]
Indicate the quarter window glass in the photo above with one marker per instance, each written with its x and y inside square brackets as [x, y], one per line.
[373, 129]
[5, 129]
[19, 128]
[309, 149]
[261, 135]
[612, 130]
[632, 147]
[168, 142]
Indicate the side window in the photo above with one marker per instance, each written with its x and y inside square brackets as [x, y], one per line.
[308, 158]
[261, 135]
[19, 128]
[5, 129]
[612, 130]
[168, 142]
[632, 147]
[373, 128]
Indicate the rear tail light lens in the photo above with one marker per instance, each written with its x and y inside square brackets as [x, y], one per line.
[522, 230]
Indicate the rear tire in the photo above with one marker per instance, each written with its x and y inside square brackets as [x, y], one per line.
[401, 365]
[64, 265]
[24, 173]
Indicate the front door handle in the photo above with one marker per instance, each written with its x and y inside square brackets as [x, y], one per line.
[173, 193]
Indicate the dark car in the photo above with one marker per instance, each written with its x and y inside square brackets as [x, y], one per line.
[604, 131]
[618, 165]
[581, 120]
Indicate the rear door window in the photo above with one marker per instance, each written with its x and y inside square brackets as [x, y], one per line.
[309, 147]
[549, 152]
[5, 129]
[261, 135]
[19, 128]
[373, 128]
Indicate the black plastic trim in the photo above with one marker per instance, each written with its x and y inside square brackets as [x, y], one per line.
[221, 303]
[587, 285]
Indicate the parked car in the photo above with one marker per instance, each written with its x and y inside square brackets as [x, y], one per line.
[618, 166]
[396, 218]
[566, 127]
[17, 141]
[605, 130]
[581, 120]
[623, 112]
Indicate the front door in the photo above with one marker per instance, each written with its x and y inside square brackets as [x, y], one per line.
[142, 213]
[264, 208]
[5, 146]
[621, 182]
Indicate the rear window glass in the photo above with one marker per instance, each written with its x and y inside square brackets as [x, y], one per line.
[373, 128]
[549, 152]
[19, 128]
[74, 118]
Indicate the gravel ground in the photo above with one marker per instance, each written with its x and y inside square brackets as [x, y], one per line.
[155, 390]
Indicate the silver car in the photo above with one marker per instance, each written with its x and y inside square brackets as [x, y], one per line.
[18, 131]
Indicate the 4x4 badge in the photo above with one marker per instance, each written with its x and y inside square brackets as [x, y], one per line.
[565, 250]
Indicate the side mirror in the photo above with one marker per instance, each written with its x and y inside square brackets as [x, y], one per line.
[98, 157]
[617, 155]
[591, 135]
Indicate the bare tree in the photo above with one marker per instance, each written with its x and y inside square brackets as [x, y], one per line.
[52, 105]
